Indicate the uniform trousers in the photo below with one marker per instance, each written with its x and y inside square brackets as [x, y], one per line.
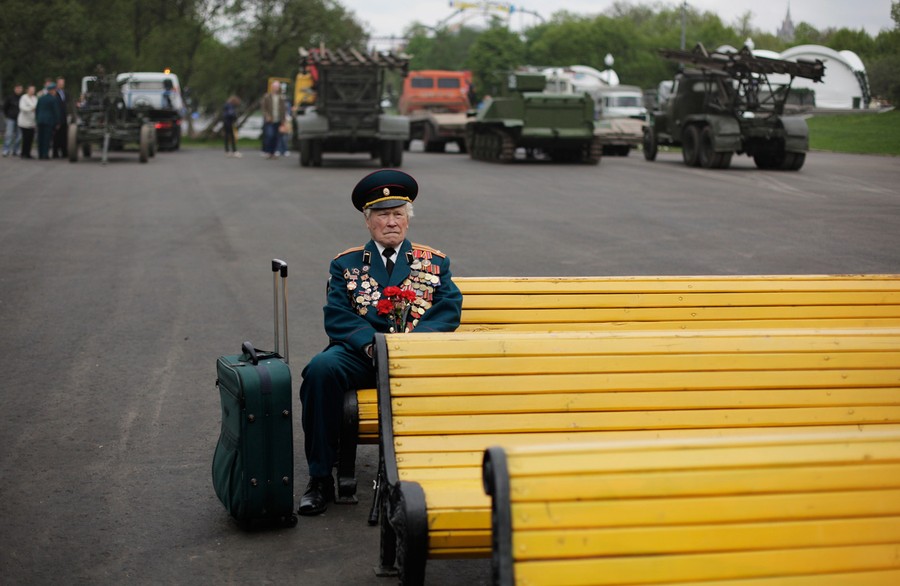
[45, 140]
[331, 373]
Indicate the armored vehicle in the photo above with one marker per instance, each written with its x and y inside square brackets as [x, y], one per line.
[558, 125]
[348, 116]
[723, 104]
[103, 119]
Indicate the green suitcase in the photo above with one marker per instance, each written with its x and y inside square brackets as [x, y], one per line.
[253, 465]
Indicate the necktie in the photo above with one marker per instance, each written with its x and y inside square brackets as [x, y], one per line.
[387, 253]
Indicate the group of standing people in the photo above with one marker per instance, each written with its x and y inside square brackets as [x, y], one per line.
[28, 112]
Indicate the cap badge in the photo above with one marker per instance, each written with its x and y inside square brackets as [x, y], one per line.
[386, 191]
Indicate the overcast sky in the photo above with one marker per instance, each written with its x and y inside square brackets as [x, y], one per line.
[390, 17]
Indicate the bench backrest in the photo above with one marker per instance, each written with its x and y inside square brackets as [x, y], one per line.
[811, 507]
[673, 302]
[445, 398]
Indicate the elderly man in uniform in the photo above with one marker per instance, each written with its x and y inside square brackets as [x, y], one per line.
[366, 283]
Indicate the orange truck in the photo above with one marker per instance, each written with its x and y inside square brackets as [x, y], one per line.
[436, 103]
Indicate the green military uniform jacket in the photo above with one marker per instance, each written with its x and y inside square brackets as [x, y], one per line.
[357, 284]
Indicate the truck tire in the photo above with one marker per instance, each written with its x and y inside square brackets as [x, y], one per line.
[387, 153]
[799, 159]
[690, 145]
[145, 144]
[72, 143]
[305, 153]
[397, 146]
[315, 153]
[650, 145]
[709, 158]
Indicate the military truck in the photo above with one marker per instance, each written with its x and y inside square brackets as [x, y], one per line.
[103, 119]
[621, 118]
[559, 126]
[347, 115]
[723, 103]
[157, 94]
[436, 103]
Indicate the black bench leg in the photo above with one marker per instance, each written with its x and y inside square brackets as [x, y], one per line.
[346, 468]
[388, 539]
[378, 491]
[409, 518]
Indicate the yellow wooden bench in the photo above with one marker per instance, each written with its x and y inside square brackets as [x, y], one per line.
[445, 398]
[805, 508]
[635, 303]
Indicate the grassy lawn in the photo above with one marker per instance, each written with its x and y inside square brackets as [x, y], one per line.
[856, 133]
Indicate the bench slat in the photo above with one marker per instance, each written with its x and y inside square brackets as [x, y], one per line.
[644, 400]
[637, 326]
[524, 365]
[687, 284]
[706, 419]
[702, 538]
[505, 344]
[713, 509]
[478, 441]
[688, 315]
[660, 570]
[561, 383]
[594, 300]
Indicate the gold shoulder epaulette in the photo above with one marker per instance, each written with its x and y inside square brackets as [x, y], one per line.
[433, 251]
[349, 250]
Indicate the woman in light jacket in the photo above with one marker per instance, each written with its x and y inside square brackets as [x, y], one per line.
[26, 120]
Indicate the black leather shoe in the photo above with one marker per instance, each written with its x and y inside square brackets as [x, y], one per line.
[319, 492]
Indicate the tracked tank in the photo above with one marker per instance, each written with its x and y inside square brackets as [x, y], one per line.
[556, 126]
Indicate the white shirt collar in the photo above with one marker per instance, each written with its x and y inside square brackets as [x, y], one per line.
[381, 250]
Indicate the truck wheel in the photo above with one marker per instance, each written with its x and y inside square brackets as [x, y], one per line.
[145, 143]
[315, 154]
[387, 153]
[397, 146]
[305, 153]
[650, 145]
[72, 143]
[799, 159]
[690, 145]
[725, 160]
[461, 144]
[709, 158]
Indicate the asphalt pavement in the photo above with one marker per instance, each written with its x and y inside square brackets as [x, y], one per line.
[120, 284]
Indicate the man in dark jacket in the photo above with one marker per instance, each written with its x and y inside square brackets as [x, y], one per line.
[61, 134]
[12, 136]
[47, 117]
[387, 285]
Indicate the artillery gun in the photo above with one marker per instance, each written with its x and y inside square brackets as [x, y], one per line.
[557, 125]
[723, 103]
[347, 115]
[105, 121]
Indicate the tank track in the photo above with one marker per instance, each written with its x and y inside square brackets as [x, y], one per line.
[492, 145]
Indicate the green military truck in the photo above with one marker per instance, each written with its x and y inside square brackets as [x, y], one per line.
[723, 103]
[348, 116]
[559, 126]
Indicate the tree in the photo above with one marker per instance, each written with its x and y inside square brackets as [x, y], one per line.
[496, 52]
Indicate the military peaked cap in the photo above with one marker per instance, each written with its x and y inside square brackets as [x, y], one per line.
[387, 188]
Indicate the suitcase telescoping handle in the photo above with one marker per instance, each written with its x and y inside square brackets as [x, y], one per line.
[279, 266]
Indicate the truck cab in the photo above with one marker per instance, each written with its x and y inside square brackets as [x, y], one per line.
[159, 94]
[436, 102]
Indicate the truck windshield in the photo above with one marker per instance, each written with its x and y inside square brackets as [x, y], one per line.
[448, 83]
[422, 82]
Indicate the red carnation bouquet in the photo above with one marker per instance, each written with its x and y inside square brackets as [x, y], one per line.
[396, 303]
